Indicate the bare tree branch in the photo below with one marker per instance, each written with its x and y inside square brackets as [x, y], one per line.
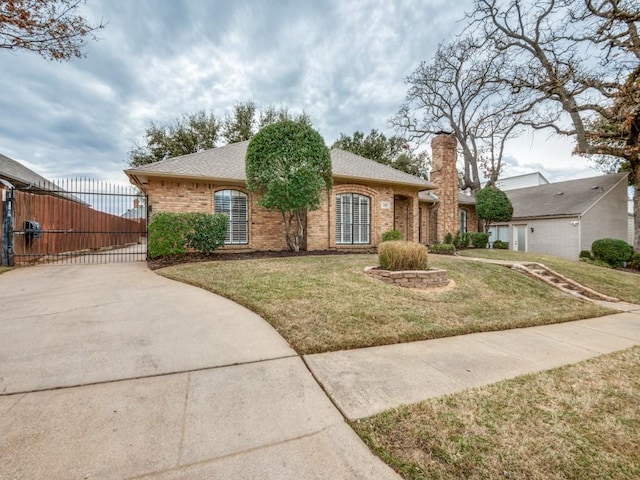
[456, 92]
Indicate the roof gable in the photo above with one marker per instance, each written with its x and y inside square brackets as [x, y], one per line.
[573, 197]
[228, 163]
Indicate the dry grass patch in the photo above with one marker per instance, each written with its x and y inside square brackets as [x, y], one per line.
[575, 422]
[5, 269]
[623, 285]
[327, 303]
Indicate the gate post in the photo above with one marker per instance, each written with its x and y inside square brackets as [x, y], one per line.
[8, 196]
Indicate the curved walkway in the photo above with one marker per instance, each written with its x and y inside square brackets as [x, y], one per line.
[110, 371]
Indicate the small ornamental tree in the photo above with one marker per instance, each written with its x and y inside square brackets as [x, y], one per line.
[493, 205]
[288, 165]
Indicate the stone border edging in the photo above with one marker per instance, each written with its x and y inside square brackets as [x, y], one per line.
[434, 277]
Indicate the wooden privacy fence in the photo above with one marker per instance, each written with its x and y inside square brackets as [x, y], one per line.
[52, 222]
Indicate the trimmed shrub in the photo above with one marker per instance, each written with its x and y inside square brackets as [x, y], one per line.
[174, 233]
[480, 239]
[614, 252]
[400, 255]
[443, 248]
[391, 235]
[168, 234]
[634, 262]
[585, 254]
[461, 240]
[208, 232]
[448, 238]
[500, 245]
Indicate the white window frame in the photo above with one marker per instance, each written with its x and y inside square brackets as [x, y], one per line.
[464, 218]
[230, 203]
[353, 219]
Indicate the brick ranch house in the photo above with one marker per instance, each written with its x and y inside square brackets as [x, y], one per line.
[366, 200]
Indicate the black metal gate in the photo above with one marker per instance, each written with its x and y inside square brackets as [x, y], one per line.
[73, 221]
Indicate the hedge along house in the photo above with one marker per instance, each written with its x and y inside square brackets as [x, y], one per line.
[366, 200]
[564, 218]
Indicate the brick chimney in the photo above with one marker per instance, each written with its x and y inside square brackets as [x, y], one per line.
[445, 175]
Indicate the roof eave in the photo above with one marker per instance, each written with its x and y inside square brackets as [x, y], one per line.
[419, 186]
[546, 217]
[142, 178]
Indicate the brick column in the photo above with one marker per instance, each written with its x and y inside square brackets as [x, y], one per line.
[445, 175]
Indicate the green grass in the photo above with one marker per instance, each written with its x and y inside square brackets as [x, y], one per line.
[327, 303]
[576, 422]
[623, 285]
[5, 269]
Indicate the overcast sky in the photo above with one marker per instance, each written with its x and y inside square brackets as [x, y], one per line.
[343, 62]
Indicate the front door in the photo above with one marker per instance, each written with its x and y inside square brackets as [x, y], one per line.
[520, 238]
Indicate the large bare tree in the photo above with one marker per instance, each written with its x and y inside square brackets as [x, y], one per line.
[50, 28]
[578, 62]
[456, 93]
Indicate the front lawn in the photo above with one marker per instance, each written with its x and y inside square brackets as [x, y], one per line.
[577, 422]
[623, 285]
[327, 303]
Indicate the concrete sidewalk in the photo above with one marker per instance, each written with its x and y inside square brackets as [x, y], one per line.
[368, 381]
[109, 372]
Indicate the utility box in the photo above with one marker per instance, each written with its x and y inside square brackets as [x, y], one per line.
[32, 229]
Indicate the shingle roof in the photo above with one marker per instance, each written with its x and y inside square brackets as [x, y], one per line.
[559, 199]
[228, 163]
[349, 165]
[18, 174]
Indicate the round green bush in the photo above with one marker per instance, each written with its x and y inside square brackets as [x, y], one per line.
[585, 254]
[391, 235]
[399, 255]
[634, 262]
[612, 251]
[480, 239]
[500, 245]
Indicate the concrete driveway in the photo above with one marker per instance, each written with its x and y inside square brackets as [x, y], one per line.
[110, 371]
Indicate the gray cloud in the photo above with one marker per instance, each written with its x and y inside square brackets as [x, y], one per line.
[343, 63]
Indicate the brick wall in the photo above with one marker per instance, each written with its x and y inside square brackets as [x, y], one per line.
[444, 174]
[266, 230]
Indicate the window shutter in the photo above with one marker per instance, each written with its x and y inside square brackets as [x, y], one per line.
[234, 205]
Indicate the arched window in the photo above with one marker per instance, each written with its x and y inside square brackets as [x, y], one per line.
[235, 205]
[463, 220]
[353, 219]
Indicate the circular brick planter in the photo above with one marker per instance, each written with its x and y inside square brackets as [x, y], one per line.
[410, 278]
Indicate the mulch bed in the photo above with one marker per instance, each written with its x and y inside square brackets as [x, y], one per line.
[170, 260]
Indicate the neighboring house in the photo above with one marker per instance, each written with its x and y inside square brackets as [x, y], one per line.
[366, 200]
[18, 175]
[138, 212]
[564, 218]
[533, 179]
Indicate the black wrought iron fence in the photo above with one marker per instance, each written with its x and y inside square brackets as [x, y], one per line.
[77, 221]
